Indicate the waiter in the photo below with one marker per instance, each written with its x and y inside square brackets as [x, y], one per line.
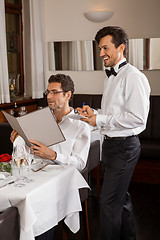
[123, 115]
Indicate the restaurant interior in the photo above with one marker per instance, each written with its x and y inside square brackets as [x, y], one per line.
[45, 37]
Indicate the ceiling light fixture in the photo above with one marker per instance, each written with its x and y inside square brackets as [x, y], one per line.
[98, 16]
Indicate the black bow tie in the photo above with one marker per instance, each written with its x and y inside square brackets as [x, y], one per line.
[112, 71]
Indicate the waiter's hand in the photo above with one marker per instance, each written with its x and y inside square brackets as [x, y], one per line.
[14, 135]
[42, 150]
[90, 120]
[87, 112]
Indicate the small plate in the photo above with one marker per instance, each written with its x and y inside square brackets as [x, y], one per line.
[37, 161]
[53, 167]
[4, 175]
[76, 116]
[36, 164]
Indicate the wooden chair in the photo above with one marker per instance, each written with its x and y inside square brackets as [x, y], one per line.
[84, 197]
[9, 224]
[94, 164]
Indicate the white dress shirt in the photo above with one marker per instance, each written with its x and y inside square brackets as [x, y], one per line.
[125, 102]
[73, 151]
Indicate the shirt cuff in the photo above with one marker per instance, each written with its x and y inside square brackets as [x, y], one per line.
[101, 120]
[59, 156]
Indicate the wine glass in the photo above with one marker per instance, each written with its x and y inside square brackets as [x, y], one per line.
[18, 156]
[22, 111]
[28, 161]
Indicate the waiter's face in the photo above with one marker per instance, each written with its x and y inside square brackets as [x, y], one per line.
[56, 97]
[109, 53]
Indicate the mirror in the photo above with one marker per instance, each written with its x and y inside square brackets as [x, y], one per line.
[84, 55]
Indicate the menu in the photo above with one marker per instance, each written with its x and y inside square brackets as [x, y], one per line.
[39, 125]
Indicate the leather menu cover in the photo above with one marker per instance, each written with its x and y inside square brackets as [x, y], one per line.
[39, 125]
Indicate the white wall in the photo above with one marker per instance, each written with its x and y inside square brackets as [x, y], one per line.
[64, 20]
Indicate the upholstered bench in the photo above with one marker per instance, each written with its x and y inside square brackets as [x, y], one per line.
[148, 167]
[5, 143]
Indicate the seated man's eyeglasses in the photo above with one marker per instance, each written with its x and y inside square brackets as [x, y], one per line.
[52, 92]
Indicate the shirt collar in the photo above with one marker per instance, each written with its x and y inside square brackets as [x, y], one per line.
[116, 67]
[67, 116]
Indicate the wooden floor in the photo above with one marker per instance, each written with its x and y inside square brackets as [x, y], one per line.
[146, 204]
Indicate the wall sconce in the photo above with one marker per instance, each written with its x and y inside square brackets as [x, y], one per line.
[98, 16]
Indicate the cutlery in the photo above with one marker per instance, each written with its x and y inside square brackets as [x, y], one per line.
[36, 170]
[5, 182]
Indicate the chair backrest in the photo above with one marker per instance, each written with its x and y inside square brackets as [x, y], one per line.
[84, 191]
[92, 162]
[5, 144]
[94, 155]
[9, 224]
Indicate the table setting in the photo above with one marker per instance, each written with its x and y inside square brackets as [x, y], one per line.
[50, 196]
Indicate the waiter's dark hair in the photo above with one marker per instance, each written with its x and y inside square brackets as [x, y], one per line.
[67, 83]
[118, 34]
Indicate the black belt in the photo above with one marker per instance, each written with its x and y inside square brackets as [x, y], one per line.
[118, 138]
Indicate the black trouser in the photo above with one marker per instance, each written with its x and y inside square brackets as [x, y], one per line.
[119, 157]
[47, 235]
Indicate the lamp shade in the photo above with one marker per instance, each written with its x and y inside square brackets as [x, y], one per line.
[98, 16]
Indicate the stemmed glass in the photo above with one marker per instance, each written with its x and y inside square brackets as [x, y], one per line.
[22, 111]
[18, 156]
[29, 159]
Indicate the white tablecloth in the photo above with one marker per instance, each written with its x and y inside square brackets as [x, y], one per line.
[51, 197]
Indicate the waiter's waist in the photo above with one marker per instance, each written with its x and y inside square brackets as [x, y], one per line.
[118, 138]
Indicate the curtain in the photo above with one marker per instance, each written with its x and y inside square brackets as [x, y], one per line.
[4, 78]
[87, 55]
[75, 59]
[52, 66]
[34, 53]
[154, 60]
[136, 53]
[81, 55]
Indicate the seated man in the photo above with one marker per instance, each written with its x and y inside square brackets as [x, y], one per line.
[73, 151]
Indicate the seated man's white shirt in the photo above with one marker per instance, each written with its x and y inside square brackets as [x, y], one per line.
[73, 151]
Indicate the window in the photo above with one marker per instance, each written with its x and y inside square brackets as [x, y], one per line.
[13, 13]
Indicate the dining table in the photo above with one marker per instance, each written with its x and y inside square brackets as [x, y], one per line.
[52, 196]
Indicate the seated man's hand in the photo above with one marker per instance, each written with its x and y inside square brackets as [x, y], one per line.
[42, 150]
[14, 135]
